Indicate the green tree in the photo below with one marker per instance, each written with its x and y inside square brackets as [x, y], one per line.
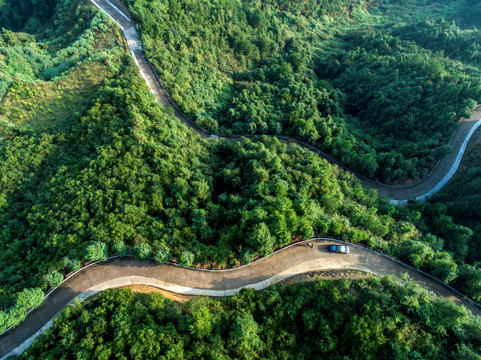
[261, 239]
[119, 248]
[257, 18]
[247, 255]
[72, 265]
[244, 337]
[441, 152]
[162, 255]
[54, 278]
[141, 251]
[202, 321]
[96, 251]
[444, 267]
[186, 258]
[469, 280]
[29, 298]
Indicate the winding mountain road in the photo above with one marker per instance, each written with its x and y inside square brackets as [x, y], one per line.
[443, 171]
[285, 263]
[293, 260]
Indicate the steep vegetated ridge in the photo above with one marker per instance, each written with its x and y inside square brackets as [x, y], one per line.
[113, 172]
[47, 74]
[335, 74]
[460, 200]
[47, 77]
[367, 319]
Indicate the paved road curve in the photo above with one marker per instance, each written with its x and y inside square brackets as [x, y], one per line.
[293, 260]
[421, 190]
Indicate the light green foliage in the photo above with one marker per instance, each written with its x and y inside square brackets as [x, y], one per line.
[141, 251]
[53, 278]
[453, 215]
[365, 319]
[46, 103]
[186, 258]
[120, 171]
[202, 320]
[443, 267]
[261, 239]
[72, 264]
[162, 255]
[247, 255]
[364, 83]
[217, 198]
[25, 300]
[244, 337]
[29, 298]
[96, 251]
[29, 59]
[119, 248]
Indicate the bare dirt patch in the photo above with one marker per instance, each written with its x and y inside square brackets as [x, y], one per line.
[146, 289]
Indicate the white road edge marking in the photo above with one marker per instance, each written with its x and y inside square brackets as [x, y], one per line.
[454, 167]
[110, 16]
[119, 11]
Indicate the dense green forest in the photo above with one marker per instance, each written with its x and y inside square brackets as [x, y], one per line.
[445, 38]
[29, 15]
[366, 319]
[48, 75]
[460, 201]
[344, 76]
[91, 165]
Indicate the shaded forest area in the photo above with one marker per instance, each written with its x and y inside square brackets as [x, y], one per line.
[26, 15]
[366, 319]
[354, 84]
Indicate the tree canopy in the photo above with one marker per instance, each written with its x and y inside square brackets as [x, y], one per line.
[83, 176]
[382, 99]
[365, 319]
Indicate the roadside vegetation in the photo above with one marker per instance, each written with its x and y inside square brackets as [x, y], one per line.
[344, 76]
[126, 175]
[365, 319]
[113, 172]
[459, 202]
